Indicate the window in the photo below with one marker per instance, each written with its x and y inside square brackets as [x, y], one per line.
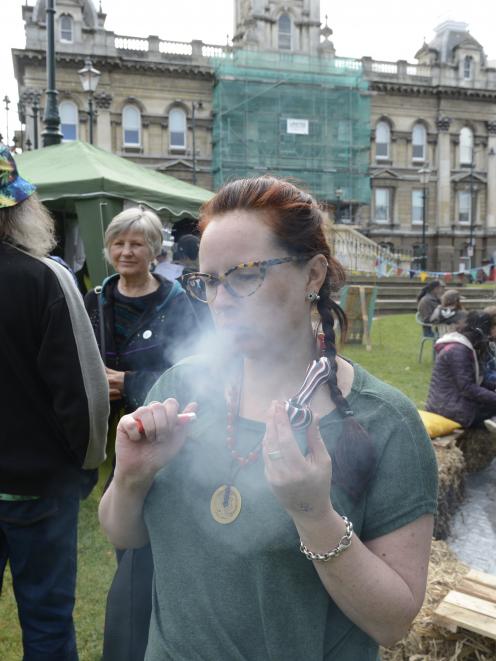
[467, 67]
[382, 140]
[382, 199]
[66, 28]
[464, 207]
[466, 146]
[284, 32]
[131, 126]
[418, 142]
[68, 120]
[177, 128]
[417, 206]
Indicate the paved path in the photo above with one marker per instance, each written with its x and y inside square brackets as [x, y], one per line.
[473, 530]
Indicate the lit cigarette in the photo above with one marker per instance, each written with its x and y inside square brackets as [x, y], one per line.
[182, 419]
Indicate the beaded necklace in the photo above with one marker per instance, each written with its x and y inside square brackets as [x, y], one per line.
[225, 504]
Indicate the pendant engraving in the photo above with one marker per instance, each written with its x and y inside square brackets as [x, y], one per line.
[225, 504]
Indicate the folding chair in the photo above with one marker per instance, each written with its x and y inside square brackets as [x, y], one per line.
[429, 334]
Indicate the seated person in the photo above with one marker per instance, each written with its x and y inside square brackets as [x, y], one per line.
[490, 363]
[428, 300]
[457, 389]
[449, 312]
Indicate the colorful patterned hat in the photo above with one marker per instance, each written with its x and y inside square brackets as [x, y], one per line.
[13, 188]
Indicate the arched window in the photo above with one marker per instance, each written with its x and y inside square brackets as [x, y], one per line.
[284, 32]
[131, 126]
[467, 67]
[419, 136]
[68, 120]
[177, 128]
[66, 28]
[382, 140]
[466, 146]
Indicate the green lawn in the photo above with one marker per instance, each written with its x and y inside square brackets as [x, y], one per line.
[394, 358]
[394, 355]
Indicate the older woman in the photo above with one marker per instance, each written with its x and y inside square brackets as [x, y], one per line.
[143, 323]
[278, 531]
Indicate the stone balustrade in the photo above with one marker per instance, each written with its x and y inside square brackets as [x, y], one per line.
[359, 253]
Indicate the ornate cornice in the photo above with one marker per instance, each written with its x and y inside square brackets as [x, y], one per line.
[110, 62]
[405, 89]
[491, 127]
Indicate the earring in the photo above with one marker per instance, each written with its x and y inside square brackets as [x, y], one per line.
[312, 296]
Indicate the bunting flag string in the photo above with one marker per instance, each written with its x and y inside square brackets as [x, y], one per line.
[387, 268]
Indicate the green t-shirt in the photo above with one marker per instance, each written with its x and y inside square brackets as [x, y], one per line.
[243, 591]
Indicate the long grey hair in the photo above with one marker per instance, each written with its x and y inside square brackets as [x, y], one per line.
[29, 225]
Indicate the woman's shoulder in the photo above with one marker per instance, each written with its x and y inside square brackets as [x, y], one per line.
[375, 394]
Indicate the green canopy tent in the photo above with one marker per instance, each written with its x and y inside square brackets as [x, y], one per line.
[78, 178]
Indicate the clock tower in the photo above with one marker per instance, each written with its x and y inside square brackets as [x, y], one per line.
[281, 25]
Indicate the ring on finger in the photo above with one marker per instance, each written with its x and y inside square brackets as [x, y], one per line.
[275, 454]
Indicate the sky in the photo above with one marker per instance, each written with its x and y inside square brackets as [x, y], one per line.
[382, 29]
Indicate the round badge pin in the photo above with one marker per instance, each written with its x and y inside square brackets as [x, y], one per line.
[147, 335]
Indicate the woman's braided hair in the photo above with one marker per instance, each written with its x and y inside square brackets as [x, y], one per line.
[297, 223]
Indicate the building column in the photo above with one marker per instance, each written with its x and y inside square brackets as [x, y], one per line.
[491, 175]
[443, 172]
[103, 101]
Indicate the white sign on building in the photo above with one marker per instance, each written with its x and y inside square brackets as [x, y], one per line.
[298, 126]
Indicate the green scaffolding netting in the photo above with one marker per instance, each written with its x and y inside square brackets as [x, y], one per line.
[300, 117]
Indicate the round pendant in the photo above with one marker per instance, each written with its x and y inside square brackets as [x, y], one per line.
[225, 504]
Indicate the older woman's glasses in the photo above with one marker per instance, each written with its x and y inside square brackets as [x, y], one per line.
[240, 281]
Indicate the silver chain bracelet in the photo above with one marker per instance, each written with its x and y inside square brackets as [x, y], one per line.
[344, 543]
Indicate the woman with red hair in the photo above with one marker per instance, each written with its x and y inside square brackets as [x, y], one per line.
[293, 519]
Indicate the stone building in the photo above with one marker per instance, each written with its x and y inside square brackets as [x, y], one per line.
[154, 105]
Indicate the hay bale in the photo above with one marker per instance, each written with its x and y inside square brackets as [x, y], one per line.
[431, 642]
[451, 470]
[478, 447]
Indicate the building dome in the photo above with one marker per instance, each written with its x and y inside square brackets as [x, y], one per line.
[450, 35]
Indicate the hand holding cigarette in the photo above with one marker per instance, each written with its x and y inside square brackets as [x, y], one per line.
[182, 419]
[149, 438]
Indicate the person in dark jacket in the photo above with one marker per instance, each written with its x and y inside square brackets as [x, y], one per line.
[144, 324]
[457, 389]
[427, 301]
[55, 410]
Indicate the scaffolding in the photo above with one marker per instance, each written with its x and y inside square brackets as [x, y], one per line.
[299, 117]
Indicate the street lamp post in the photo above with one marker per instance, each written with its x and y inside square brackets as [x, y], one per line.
[473, 189]
[6, 100]
[36, 109]
[424, 174]
[195, 105]
[89, 77]
[52, 134]
[339, 194]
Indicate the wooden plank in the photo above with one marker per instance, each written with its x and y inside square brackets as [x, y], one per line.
[479, 606]
[450, 615]
[482, 578]
[477, 590]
